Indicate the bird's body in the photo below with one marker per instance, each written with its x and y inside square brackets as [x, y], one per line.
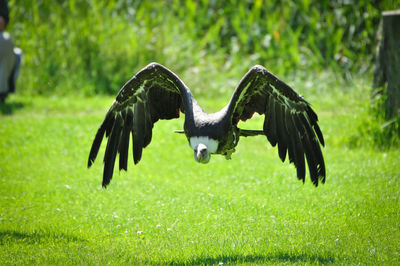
[213, 130]
[157, 93]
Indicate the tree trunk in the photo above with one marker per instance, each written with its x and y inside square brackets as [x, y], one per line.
[388, 62]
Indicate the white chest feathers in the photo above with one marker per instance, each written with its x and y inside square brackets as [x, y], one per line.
[212, 144]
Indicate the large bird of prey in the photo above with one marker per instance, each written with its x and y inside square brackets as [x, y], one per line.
[156, 93]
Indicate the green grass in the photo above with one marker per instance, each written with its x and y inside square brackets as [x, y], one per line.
[171, 210]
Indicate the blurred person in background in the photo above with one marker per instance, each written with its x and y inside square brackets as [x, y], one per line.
[10, 57]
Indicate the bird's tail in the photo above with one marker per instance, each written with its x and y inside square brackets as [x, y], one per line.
[249, 132]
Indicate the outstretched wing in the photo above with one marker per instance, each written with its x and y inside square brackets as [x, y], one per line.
[289, 120]
[153, 93]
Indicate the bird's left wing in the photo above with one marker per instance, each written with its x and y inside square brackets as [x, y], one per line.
[289, 120]
[153, 93]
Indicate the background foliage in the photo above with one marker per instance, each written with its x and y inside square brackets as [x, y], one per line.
[94, 46]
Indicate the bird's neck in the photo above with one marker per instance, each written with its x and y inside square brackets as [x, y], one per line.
[211, 144]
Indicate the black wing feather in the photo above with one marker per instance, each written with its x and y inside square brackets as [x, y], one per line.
[270, 126]
[109, 123]
[289, 121]
[314, 119]
[111, 150]
[148, 125]
[153, 93]
[138, 131]
[298, 151]
[124, 143]
[316, 149]
[281, 132]
[99, 138]
[309, 150]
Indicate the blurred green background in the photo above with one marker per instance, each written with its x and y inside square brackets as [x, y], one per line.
[93, 47]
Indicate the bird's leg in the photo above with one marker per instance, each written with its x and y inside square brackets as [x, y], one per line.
[228, 154]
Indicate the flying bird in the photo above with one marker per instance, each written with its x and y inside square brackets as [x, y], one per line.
[156, 93]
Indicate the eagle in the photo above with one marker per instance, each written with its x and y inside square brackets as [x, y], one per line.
[156, 93]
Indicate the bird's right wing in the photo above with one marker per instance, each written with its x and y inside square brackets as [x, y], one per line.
[153, 93]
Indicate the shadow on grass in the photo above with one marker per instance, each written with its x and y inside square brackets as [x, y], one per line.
[280, 257]
[8, 236]
[10, 108]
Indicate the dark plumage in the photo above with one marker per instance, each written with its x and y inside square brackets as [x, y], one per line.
[157, 93]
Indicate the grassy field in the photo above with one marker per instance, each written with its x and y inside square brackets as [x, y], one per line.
[171, 210]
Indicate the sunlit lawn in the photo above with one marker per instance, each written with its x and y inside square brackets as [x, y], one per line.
[171, 210]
